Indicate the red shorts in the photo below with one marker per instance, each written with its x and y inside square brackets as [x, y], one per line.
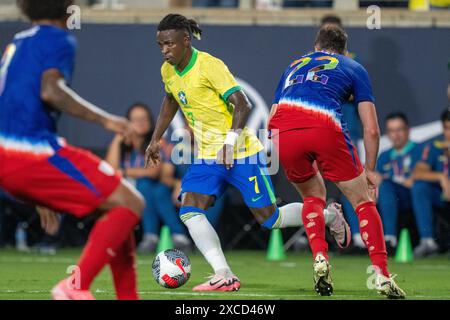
[305, 151]
[72, 180]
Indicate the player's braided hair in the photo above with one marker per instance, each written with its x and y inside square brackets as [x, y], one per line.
[175, 21]
[45, 9]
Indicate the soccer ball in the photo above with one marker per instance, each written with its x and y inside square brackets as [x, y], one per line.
[171, 268]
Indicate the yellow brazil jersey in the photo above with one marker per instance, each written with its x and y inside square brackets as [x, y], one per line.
[202, 90]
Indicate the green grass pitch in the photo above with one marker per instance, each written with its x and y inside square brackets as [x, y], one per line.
[31, 276]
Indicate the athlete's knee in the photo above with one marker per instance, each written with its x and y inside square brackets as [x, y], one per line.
[189, 212]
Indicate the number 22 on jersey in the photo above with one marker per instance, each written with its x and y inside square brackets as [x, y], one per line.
[311, 75]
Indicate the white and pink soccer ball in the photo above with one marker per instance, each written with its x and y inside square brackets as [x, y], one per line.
[171, 268]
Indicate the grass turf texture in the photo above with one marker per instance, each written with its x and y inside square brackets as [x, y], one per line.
[31, 276]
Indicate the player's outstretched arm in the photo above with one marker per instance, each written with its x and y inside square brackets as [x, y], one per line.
[56, 93]
[168, 110]
[242, 108]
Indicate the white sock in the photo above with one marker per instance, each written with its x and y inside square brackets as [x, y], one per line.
[291, 215]
[358, 241]
[207, 241]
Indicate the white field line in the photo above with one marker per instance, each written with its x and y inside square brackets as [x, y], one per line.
[222, 295]
[146, 262]
[182, 293]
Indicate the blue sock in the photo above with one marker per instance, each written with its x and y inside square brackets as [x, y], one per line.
[188, 212]
[273, 221]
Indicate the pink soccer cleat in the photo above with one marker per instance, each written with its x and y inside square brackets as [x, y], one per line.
[339, 229]
[64, 291]
[219, 283]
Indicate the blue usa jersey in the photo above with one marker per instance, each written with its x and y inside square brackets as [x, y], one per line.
[437, 155]
[26, 122]
[313, 89]
[398, 165]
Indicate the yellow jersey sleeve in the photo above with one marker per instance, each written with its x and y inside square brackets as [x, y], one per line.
[164, 76]
[220, 78]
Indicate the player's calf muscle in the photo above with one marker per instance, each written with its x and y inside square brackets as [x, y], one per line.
[355, 190]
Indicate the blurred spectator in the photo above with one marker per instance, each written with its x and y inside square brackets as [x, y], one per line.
[307, 3]
[331, 19]
[395, 168]
[180, 3]
[216, 3]
[384, 3]
[439, 4]
[107, 4]
[432, 186]
[151, 182]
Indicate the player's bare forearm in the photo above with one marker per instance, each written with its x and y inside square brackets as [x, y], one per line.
[371, 145]
[55, 92]
[168, 110]
[368, 115]
[242, 108]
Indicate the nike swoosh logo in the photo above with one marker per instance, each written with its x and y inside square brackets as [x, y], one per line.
[214, 283]
[229, 283]
[178, 263]
[256, 199]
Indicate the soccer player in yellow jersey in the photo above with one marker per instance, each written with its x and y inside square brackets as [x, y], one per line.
[228, 153]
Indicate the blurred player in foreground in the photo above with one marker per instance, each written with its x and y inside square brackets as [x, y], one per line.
[217, 109]
[307, 114]
[42, 169]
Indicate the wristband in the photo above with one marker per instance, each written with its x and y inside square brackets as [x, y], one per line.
[231, 138]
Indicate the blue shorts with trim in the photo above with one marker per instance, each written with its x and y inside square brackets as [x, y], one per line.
[249, 175]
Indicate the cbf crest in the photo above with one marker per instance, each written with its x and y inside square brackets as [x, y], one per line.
[182, 97]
